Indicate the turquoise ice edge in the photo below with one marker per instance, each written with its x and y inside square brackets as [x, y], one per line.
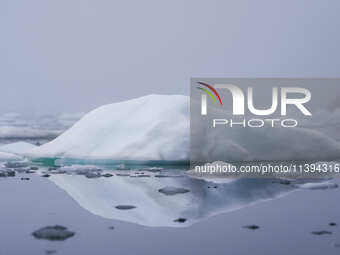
[108, 163]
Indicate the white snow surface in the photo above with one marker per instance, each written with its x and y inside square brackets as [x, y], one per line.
[154, 127]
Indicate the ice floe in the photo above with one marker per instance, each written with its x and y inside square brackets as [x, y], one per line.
[168, 190]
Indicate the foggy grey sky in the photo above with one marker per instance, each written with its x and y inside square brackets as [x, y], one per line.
[74, 55]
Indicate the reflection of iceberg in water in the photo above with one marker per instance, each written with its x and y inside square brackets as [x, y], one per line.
[100, 196]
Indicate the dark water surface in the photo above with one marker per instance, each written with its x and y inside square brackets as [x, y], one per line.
[210, 218]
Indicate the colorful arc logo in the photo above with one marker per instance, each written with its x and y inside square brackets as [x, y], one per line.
[209, 93]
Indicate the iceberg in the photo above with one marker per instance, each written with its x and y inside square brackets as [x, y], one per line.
[157, 128]
[154, 127]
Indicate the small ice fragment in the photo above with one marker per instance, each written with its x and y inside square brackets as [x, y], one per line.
[167, 176]
[125, 207]
[152, 169]
[7, 173]
[169, 190]
[180, 220]
[319, 186]
[322, 232]
[143, 175]
[107, 175]
[53, 233]
[215, 187]
[91, 175]
[252, 227]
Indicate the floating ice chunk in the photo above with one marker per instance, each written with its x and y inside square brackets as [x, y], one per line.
[180, 220]
[107, 175]
[7, 173]
[92, 175]
[169, 190]
[125, 207]
[53, 233]
[123, 175]
[152, 169]
[252, 227]
[80, 169]
[322, 232]
[318, 186]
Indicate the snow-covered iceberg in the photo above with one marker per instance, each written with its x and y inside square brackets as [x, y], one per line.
[157, 127]
[154, 127]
